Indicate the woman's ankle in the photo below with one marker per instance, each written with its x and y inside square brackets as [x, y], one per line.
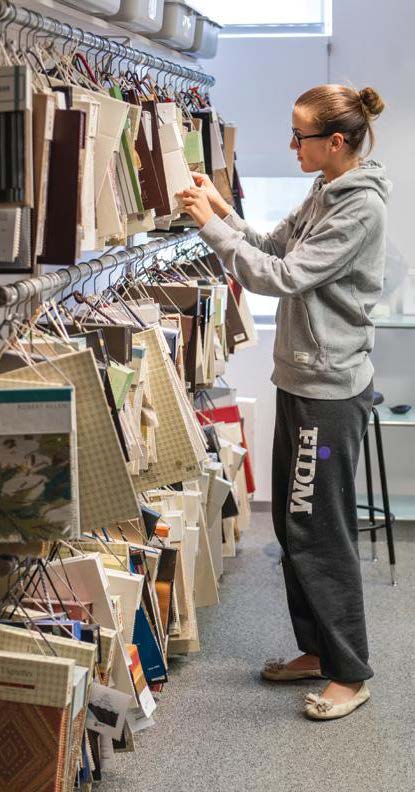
[349, 685]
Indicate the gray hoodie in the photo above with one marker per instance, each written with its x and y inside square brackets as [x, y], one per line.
[325, 262]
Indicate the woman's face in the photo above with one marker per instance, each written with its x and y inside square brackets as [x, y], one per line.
[313, 154]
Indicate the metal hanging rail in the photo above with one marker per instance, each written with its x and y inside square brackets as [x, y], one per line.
[34, 20]
[47, 285]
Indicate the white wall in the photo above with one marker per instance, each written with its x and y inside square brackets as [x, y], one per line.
[258, 80]
[373, 44]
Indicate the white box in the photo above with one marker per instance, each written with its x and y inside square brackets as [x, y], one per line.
[140, 16]
[191, 506]
[98, 7]
[178, 29]
[175, 520]
[205, 43]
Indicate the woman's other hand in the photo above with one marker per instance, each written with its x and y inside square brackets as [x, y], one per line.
[218, 204]
[196, 203]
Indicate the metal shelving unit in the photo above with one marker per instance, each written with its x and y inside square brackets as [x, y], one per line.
[397, 322]
[27, 19]
[402, 506]
[388, 418]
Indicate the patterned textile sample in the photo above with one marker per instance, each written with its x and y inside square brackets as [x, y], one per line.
[33, 740]
[179, 445]
[38, 463]
[105, 489]
[35, 714]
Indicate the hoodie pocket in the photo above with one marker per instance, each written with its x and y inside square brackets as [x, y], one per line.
[296, 343]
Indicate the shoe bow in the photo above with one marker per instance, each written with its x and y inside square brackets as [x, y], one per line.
[321, 704]
[278, 664]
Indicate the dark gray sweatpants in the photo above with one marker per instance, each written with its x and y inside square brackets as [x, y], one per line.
[315, 455]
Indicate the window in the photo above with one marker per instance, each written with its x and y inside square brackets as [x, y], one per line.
[277, 17]
[267, 201]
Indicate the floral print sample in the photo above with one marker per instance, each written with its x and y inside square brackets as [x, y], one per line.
[35, 487]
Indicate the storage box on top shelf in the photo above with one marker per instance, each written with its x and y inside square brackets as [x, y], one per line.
[140, 16]
[178, 29]
[98, 7]
[205, 43]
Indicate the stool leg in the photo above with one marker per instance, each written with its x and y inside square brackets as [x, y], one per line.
[369, 487]
[385, 496]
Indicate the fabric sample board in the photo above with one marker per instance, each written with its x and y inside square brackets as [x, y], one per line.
[38, 463]
[105, 489]
[32, 738]
[179, 447]
[35, 712]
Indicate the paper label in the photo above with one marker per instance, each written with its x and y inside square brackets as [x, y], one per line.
[49, 118]
[167, 112]
[301, 357]
[107, 710]
[147, 701]
[15, 88]
[146, 119]
[137, 721]
[60, 100]
[35, 411]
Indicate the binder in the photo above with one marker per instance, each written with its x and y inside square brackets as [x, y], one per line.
[62, 239]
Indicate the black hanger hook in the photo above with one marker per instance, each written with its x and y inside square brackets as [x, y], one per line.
[60, 289]
[87, 279]
[67, 39]
[6, 25]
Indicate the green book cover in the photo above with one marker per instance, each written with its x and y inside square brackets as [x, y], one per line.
[193, 148]
[126, 144]
[121, 378]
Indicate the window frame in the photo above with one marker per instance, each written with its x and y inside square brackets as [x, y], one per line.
[295, 29]
[248, 30]
[264, 319]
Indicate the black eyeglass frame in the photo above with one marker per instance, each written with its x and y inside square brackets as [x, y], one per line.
[298, 137]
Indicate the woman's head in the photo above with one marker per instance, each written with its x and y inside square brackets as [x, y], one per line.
[341, 119]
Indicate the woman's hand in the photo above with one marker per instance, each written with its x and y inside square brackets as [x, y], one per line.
[196, 204]
[218, 204]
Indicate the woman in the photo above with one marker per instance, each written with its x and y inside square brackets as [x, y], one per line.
[325, 262]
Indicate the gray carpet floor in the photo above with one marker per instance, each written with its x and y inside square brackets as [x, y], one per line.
[220, 728]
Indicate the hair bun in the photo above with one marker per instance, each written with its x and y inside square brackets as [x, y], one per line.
[371, 101]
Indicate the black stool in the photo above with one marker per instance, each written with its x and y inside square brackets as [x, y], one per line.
[388, 520]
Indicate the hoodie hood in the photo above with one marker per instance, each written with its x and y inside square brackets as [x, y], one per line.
[370, 175]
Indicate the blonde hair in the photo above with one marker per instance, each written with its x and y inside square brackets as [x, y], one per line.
[338, 108]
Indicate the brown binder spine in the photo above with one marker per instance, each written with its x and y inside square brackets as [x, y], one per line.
[62, 229]
[165, 208]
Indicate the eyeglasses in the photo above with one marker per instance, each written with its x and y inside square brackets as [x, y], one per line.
[298, 137]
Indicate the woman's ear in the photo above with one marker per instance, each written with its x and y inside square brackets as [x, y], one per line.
[337, 141]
